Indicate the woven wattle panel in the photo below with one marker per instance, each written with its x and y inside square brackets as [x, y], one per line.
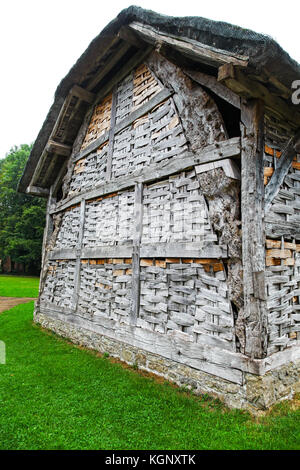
[282, 255]
[189, 297]
[100, 121]
[283, 293]
[59, 284]
[68, 232]
[155, 138]
[109, 220]
[145, 86]
[90, 171]
[124, 98]
[105, 289]
[175, 211]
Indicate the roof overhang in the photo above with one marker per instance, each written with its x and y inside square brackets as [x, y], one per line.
[250, 64]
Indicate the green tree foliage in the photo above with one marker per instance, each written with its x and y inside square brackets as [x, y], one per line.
[22, 216]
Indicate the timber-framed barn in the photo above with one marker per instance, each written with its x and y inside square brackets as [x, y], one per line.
[172, 240]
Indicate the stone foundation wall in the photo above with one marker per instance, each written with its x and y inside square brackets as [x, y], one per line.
[257, 392]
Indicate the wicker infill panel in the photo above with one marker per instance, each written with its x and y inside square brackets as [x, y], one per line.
[154, 138]
[283, 293]
[69, 229]
[271, 157]
[177, 296]
[283, 215]
[59, 285]
[89, 171]
[100, 121]
[109, 220]
[175, 211]
[189, 296]
[135, 90]
[145, 86]
[124, 98]
[105, 289]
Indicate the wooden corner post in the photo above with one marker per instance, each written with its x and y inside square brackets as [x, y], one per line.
[253, 231]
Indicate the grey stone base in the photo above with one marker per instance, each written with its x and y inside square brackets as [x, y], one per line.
[257, 392]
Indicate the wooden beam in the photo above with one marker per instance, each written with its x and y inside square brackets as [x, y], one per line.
[230, 148]
[78, 256]
[115, 251]
[48, 231]
[59, 152]
[215, 86]
[200, 123]
[237, 81]
[37, 191]
[44, 154]
[123, 71]
[49, 224]
[131, 37]
[60, 177]
[225, 72]
[188, 47]
[58, 148]
[163, 95]
[183, 250]
[111, 135]
[141, 111]
[49, 169]
[82, 94]
[108, 66]
[92, 147]
[160, 250]
[53, 146]
[281, 171]
[229, 167]
[137, 236]
[227, 364]
[130, 64]
[253, 234]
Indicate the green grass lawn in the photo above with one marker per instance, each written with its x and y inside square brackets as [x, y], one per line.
[54, 395]
[18, 286]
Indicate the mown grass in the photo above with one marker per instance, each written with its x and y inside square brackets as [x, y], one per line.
[18, 286]
[54, 395]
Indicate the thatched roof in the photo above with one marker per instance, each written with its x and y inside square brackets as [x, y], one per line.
[266, 60]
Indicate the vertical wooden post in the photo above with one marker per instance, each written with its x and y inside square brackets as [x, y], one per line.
[48, 230]
[49, 224]
[78, 256]
[253, 231]
[137, 235]
[111, 134]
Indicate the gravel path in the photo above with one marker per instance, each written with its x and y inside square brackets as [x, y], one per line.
[9, 302]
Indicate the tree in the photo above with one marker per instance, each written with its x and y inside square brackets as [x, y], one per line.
[22, 216]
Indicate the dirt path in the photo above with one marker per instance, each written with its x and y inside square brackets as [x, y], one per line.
[9, 302]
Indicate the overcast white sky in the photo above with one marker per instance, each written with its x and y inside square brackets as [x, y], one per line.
[41, 40]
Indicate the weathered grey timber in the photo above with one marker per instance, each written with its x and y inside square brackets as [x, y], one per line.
[252, 201]
[211, 153]
[78, 253]
[136, 255]
[172, 240]
[215, 86]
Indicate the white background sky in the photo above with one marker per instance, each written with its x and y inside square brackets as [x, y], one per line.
[41, 40]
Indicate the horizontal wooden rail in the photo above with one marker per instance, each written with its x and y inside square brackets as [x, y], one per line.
[144, 109]
[230, 148]
[159, 250]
